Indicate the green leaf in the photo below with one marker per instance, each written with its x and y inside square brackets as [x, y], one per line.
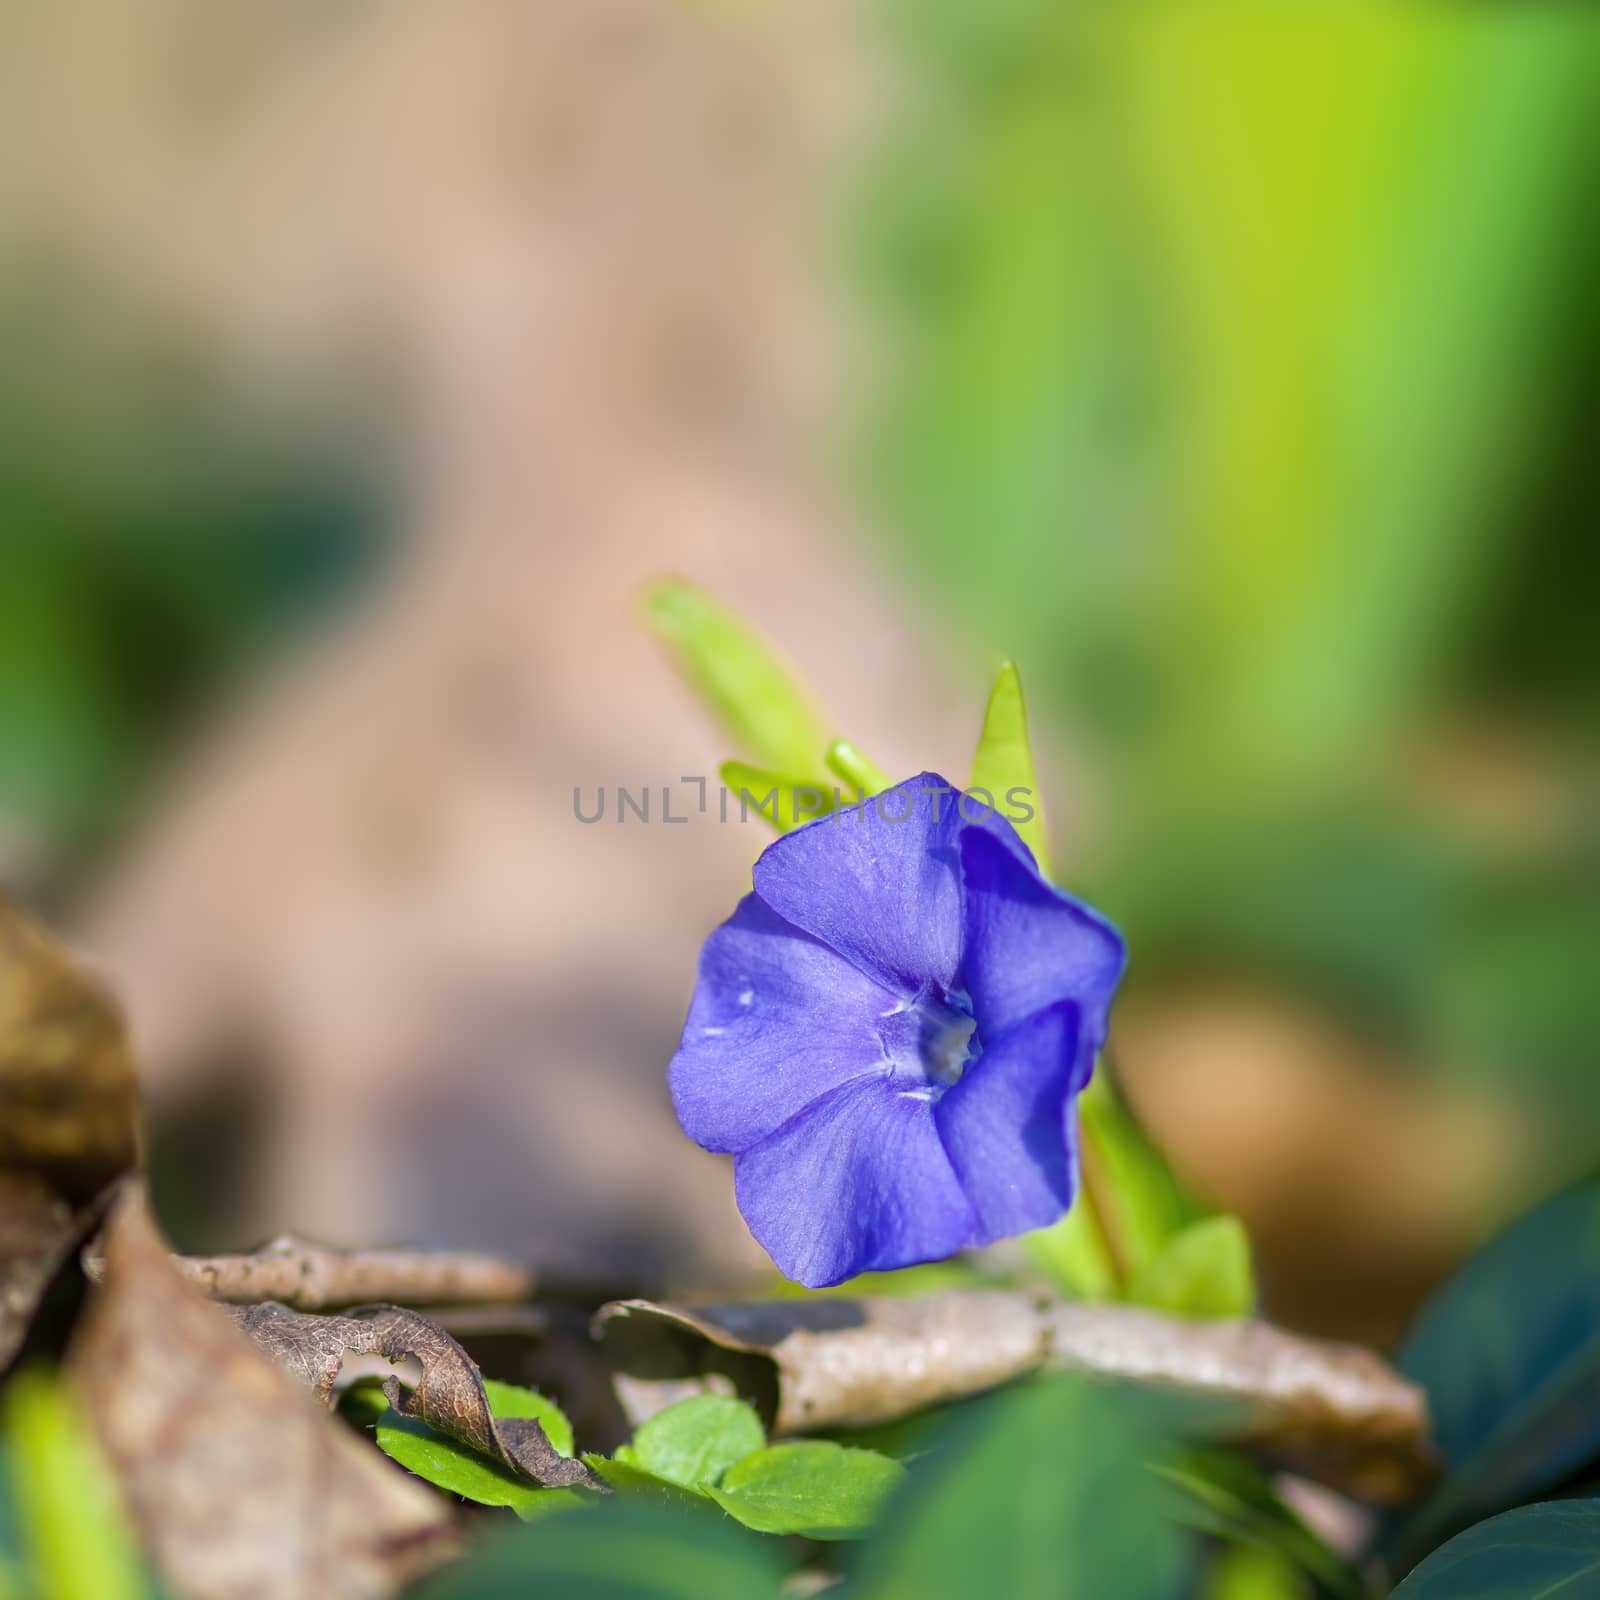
[1227, 1495]
[784, 801]
[1004, 762]
[1542, 1551]
[763, 709]
[1509, 1353]
[1252, 1572]
[451, 1466]
[623, 1472]
[1073, 1252]
[1041, 1491]
[1203, 1270]
[815, 1487]
[1138, 1199]
[70, 1524]
[864, 778]
[695, 1441]
[621, 1551]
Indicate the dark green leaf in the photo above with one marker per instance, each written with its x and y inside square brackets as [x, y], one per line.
[1542, 1552]
[815, 1487]
[1042, 1491]
[1509, 1353]
[622, 1551]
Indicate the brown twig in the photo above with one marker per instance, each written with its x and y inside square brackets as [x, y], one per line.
[310, 1278]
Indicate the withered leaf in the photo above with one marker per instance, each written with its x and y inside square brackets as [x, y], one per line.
[1338, 1412]
[68, 1114]
[448, 1396]
[241, 1487]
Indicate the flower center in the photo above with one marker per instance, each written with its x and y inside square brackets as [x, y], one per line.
[929, 1041]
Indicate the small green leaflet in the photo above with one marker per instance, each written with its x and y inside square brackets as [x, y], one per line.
[1004, 762]
[453, 1467]
[864, 778]
[1203, 1270]
[695, 1441]
[784, 801]
[760, 704]
[712, 1449]
[814, 1487]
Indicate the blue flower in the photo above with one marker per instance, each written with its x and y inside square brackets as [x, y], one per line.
[889, 1033]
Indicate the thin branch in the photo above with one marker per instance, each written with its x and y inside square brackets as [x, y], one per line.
[310, 1277]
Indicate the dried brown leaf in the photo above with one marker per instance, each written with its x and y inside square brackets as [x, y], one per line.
[68, 1114]
[449, 1395]
[241, 1487]
[1339, 1412]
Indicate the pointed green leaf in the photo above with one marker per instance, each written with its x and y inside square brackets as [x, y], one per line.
[450, 1465]
[1003, 766]
[815, 1487]
[863, 777]
[785, 802]
[70, 1524]
[759, 702]
[1551, 1549]
[695, 1441]
[1203, 1270]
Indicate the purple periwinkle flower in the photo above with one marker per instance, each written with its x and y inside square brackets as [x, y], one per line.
[889, 1033]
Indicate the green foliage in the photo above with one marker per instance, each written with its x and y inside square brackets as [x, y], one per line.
[785, 802]
[451, 1466]
[1535, 1551]
[1227, 1495]
[1509, 1353]
[760, 704]
[695, 1441]
[1004, 762]
[714, 1449]
[862, 777]
[71, 1537]
[1203, 1270]
[1044, 1490]
[813, 1487]
[1250, 1572]
[621, 1551]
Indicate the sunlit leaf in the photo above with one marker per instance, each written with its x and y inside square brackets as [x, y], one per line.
[862, 777]
[758, 700]
[1003, 766]
[814, 1487]
[781, 799]
[1203, 1270]
[696, 1441]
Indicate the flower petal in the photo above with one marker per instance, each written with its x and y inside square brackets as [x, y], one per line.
[1029, 945]
[857, 1182]
[1008, 1128]
[878, 882]
[777, 1021]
